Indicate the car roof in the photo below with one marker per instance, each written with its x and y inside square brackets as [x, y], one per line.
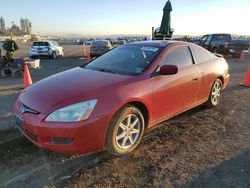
[156, 43]
[45, 41]
[101, 40]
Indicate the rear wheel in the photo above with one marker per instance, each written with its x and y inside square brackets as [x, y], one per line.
[125, 131]
[215, 95]
[53, 56]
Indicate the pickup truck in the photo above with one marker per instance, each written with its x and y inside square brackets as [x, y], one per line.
[224, 44]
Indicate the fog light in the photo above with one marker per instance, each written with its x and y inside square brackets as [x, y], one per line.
[57, 140]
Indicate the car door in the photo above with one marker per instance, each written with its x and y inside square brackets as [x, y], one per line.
[173, 94]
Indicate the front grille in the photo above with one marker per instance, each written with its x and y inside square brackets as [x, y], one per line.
[26, 109]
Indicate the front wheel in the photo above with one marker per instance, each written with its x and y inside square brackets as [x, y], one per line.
[125, 131]
[215, 94]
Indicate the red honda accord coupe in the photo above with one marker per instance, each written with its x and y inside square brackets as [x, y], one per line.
[108, 103]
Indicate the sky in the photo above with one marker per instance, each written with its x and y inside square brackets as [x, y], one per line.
[114, 17]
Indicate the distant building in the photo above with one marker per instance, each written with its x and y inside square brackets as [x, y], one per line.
[2, 24]
[25, 26]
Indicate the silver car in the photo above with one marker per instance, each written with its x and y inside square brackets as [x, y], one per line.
[100, 47]
[46, 49]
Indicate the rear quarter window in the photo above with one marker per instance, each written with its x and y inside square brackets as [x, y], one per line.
[201, 54]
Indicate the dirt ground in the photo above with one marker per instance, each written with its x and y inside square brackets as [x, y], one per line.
[204, 147]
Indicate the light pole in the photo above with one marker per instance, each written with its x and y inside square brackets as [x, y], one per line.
[11, 34]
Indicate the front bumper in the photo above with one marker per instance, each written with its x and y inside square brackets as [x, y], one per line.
[74, 138]
[226, 81]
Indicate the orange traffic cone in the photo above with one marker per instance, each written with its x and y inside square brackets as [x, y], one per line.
[246, 81]
[242, 57]
[27, 81]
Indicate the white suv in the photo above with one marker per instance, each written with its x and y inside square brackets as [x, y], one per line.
[46, 49]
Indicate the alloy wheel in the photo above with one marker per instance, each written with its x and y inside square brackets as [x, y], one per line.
[216, 93]
[128, 131]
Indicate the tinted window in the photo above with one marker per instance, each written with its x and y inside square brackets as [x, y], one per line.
[180, 57]
[222, 37]
[208, 40]
[100, 42]
[203, 40]
[40, 44]
[127, 60]
[201, 54]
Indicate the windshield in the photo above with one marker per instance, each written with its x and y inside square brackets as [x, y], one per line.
[126, 60]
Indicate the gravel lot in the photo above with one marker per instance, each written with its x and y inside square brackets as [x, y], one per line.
[204, 147]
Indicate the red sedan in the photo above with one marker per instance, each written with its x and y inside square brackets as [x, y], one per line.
[108, 103]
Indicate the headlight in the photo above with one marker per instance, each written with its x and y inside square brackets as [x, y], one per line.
[73, 113]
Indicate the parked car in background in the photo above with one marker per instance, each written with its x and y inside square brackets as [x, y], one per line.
[216, 43]
[99, 47]
[223, 44]
[121, 41]
[46, 49]
[236, 47]
[89, 41]
[110, 102]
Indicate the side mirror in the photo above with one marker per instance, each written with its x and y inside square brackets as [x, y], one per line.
[168, 69]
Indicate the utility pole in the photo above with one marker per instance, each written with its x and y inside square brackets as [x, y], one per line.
[11, 34]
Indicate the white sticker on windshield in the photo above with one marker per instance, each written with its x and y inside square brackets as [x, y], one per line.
[151, 49]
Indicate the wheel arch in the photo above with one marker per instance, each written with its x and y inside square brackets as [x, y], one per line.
[143, 108]
[221, 78]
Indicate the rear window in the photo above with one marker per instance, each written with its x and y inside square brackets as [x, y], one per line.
[40, 44]
[201, 54]
[222, 37]
[100, 42]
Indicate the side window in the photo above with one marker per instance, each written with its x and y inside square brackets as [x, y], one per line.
[208, 40]
[201, 54]
[203, 40]
[180, 57]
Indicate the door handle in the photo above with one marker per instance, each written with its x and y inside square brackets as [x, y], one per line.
[195, 79]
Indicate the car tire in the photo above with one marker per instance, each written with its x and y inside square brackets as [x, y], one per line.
[215, 94]
[53, 56]
[125, 131]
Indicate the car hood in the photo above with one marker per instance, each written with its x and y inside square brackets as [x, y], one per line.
[69, 87]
